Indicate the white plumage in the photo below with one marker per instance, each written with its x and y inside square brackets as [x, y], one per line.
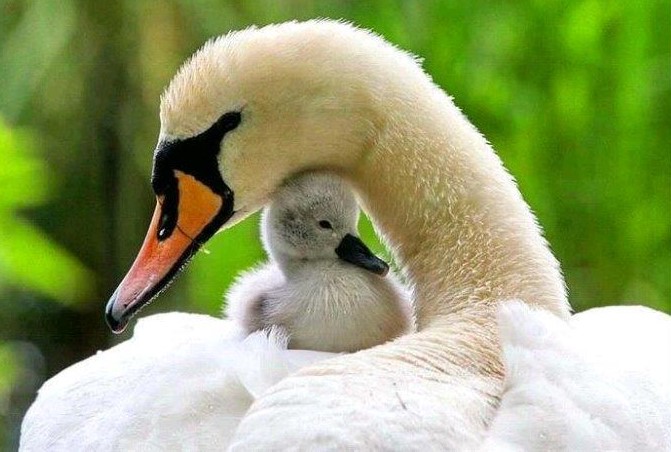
[182, 382]
[602, 381]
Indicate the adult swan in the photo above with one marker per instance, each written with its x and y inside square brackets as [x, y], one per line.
[256, 107]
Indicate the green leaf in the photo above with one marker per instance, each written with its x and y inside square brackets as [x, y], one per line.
[28, 258]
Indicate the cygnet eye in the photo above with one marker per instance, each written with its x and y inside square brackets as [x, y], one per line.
[325, 224]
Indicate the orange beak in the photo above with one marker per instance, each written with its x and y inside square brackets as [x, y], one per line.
[200, 213]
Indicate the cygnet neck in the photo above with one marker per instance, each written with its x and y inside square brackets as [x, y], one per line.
[451, 213]
[291, 265]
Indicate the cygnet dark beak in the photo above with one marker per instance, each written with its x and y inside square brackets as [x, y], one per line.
[354, 251]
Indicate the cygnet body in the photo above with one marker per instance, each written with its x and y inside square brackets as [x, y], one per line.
[321, 284]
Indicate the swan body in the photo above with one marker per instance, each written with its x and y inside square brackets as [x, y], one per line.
[322, 284]
[184, 381]
[256, 107]
[599, 382]
[179, 373]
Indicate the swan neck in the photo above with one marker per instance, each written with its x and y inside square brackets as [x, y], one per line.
[453, 216]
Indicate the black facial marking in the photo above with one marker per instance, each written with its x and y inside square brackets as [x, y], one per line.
[196, 156]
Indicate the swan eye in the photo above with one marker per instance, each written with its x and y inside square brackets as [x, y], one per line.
[325, 224]
[228, 121]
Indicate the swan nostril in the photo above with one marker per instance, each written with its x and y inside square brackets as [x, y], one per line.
[163, 228]
[168, 220]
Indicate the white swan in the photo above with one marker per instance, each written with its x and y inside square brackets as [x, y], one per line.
[314, 286]
[253, 108]
[322, 291]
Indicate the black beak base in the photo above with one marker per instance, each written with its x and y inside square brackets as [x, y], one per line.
[351, 249]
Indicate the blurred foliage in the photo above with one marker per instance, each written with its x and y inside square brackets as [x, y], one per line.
[27, 256]
[574, 95]
[8, 375]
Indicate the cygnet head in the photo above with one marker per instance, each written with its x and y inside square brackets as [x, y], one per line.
[314, 217]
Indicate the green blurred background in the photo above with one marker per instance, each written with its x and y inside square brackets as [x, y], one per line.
[574, 95]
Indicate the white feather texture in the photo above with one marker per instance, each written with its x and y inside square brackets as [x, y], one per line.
[178, 373]
[330, 306]
[182, 382]
[600, 382]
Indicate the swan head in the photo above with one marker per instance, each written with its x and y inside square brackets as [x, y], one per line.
[313, 217]
[245, 113]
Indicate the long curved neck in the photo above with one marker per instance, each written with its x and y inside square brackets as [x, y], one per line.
[452, 215]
